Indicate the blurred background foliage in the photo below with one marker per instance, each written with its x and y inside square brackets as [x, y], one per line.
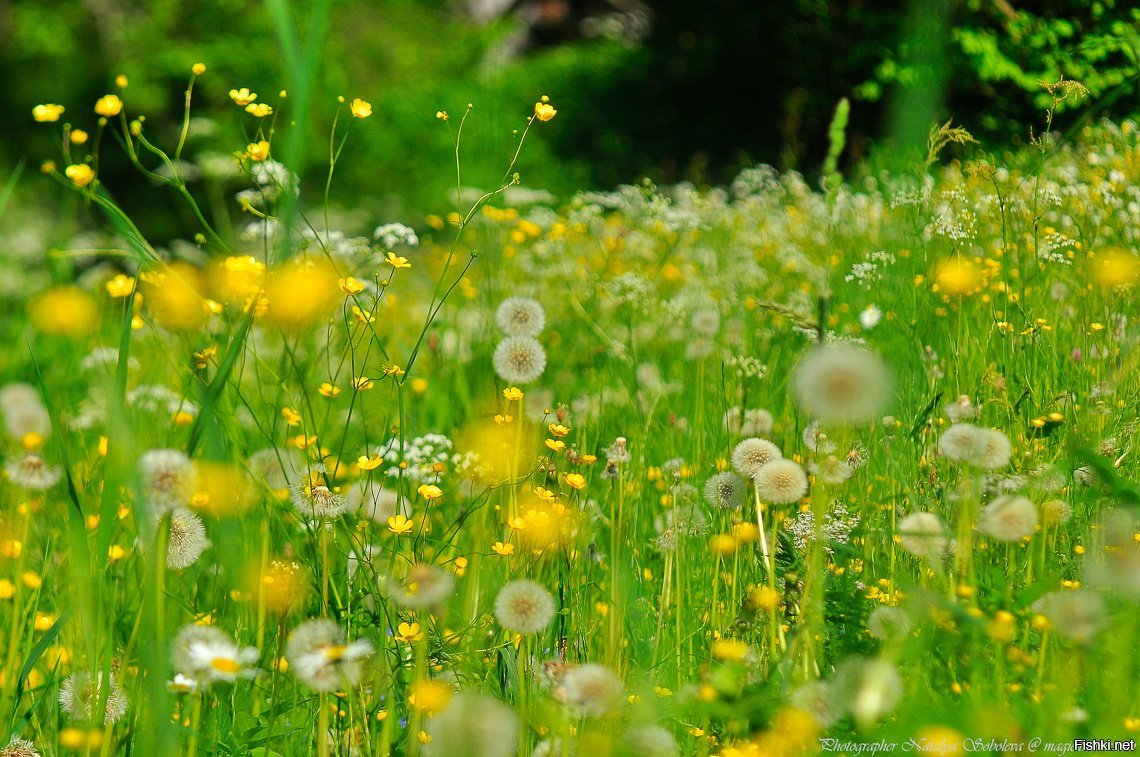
[671, 90]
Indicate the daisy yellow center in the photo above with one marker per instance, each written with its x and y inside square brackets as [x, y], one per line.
[225, 665]
[332, 654]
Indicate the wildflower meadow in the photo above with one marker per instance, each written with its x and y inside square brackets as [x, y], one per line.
[797, 463]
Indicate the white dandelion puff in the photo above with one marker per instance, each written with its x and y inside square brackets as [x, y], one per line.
[520, 316]
[81, 692]
[32, 473]
[519, 360]
[186, 539]
[725, 491]
[593, 690]
[1007, 518]
[168, 478]
[750, 455]
[473, 726]
[524, 607]
[924, 536]
[781, 482]
[841, 383]
[424, 587]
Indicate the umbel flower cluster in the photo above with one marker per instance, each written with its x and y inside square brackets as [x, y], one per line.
[659, 471]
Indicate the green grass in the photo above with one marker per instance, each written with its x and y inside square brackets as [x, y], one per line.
[1008, 280]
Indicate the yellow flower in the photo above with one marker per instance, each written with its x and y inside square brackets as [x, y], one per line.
[242, 97]
[399, 524]
[1116, 268]
[198, 69]
[558, 430]
[730, 650]
[121, 81]
[80, 174]
[350, 286]
[576, 481]
[503, 420]
[397, 261]
[292, 417]
[503, 549]
[513, 393]
[257, 151]
[430, 492]
[556, 445]
[429, 696]
[442, 115]
[7, 589]
[108, 105]
[957, 276]
[259, 110]
[362, 384]
[328, 390]
[722, 544]
[544, 111]
[121, 286]
[408, 632]
[64, 311]
[369, 463]
[78, 137]
[47, 113]
[360, 108]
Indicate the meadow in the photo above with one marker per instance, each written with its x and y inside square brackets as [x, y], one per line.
[760, 469]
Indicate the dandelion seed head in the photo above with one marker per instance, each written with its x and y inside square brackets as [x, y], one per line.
[750, 455]
[725, 491]
[1055, 512]
[473, 726]
[80, 692]
[168, 478]
[519, 360]
[1008, 518]
[841, 383]
[425, 586]
[781, 482]
[1076, 615]
[593, 690]
[524, 606]
[186, 540]
[32, 473]
[520, 316]
[924, 536]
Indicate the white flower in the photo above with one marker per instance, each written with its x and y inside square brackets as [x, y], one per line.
[870, 316]
[319, 656]
[206, 654]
